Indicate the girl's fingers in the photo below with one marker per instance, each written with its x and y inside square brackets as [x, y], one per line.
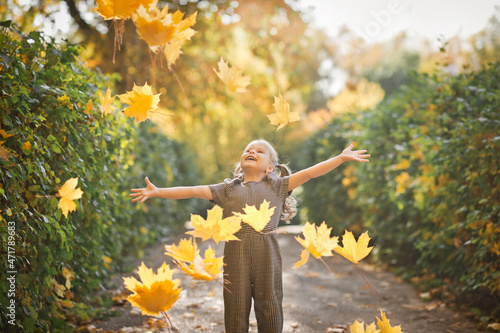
[134, 194]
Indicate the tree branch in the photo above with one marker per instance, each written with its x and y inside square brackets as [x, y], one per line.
[82, 25]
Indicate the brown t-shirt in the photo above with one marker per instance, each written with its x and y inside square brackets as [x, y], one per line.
[233, 195]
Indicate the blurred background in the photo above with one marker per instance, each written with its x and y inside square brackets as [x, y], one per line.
[416, 83]
[315, 53]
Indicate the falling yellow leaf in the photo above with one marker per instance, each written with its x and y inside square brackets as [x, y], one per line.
[213, 265]
[232, 77]
[106, 102]
[385, 326]
[120, 9]
[215, 226]
[207, 269]
[304, 257]
[352, 250]
[317, 241]
[141, 102]
[172, 51]
[186, 251]
[283, 115]
[358, 327]
[257, 218]
[157, 292]
[159, 28]
[68, 193]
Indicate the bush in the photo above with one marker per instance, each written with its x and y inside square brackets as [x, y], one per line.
[430, 194]
[52, 130]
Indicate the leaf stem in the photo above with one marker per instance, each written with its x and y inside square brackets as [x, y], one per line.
[178, 81]
[167, 320]
[369, 285]
[244, 105]
[324, 262]
[275, 148]
[164, 119]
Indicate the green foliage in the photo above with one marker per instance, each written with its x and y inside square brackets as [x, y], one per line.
[52, 130]
[430, 194]
[392, 71]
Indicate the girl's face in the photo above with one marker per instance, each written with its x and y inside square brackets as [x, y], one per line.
[257, 157]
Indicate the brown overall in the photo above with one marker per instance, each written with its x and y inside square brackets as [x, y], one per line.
[253, 264]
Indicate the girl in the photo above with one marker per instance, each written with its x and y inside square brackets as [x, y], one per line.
[253, 264]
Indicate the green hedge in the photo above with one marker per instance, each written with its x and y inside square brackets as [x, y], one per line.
[430, 194]
[52, 130]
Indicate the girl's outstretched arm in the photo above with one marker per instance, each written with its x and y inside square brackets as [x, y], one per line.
[180, 192]
[324, 167]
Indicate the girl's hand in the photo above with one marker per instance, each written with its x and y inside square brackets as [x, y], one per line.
[357, 155]
[144, 194]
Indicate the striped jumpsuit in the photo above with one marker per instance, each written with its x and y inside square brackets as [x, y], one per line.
[253, 264]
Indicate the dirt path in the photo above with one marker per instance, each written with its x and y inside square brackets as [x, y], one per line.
[314, 299]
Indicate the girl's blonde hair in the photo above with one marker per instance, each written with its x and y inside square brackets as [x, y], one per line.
[290, 205]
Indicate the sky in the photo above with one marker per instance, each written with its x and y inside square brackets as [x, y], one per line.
[380, 20]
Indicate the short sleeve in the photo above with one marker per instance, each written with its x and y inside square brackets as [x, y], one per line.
[280, 184]
[221, 191]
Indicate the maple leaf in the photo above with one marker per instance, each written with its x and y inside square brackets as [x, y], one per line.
[106, 102]
[358, 327]
[207, 269]
[304, 257]
[317, 241]
[172, 51]
[120, 9]
[232, 77]
[215, 226]
[352, 250]
[385, 326]
[157, 292]
[283, 115]
[183, 25]
[186, 251]
[68, 193]
[159, 27]
[141, 102]
[257, 218]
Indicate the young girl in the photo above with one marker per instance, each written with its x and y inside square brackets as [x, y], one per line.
[253, 264]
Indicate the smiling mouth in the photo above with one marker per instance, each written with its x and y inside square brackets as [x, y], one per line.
[251, 158]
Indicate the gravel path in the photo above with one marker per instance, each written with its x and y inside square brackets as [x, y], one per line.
[315, 300]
